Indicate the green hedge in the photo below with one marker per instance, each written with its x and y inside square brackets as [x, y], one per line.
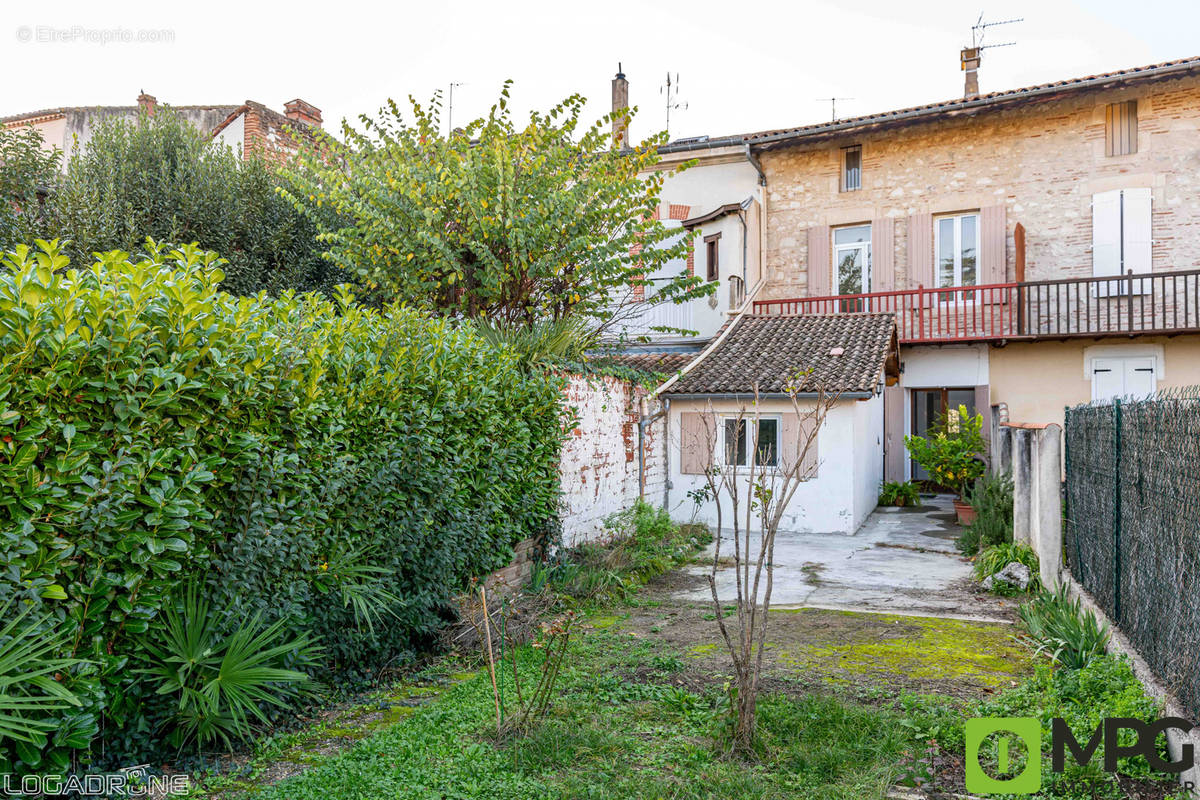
[155, 431]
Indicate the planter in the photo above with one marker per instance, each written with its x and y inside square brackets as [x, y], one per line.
[964, 512]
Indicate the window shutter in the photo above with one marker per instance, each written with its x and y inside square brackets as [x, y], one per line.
[1106, 234]
[893, 433]
[820, 267]
[993, 231]
[883, 256]
[696, 434]
[983, 405]
[1137, 230]
[793, 437]
[920, 251]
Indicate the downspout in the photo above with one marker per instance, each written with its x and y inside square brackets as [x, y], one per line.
[753, 159]
[667, 454]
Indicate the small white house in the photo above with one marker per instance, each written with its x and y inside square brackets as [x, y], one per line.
[849, 356]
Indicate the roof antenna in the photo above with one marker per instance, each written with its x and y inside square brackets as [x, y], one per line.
[970, 57]
[979, 29]
[671, 90]
[832, 105]
[450, 110]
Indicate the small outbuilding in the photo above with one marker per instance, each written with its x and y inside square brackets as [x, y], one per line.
[710, 409]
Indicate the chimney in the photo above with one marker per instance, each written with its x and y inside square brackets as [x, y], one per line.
[620, 105]
[147, 103]
[970, 64]
[300, 111]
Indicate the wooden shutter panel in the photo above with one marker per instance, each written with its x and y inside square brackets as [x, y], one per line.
[1106, 234]
[993, 231]
[793, 435]
[893, 433]
[983, 405]
[883, 256]
[696, 435]
[920, 251]
[1136, 217]
[820, 268]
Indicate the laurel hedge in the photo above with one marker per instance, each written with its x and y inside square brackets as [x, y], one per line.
[343, 469]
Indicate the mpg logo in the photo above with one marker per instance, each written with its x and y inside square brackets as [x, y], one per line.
[1025, 733]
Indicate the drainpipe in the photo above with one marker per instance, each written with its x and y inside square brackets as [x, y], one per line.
[753, 159]
[667, 453]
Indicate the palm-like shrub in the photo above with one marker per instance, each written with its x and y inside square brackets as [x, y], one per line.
[1060, 628]
[29, 669]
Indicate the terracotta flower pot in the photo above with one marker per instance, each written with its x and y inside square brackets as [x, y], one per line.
[964, 511]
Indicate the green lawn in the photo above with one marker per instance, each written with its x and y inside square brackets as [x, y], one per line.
[621, 727]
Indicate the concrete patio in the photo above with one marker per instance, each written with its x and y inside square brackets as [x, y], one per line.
[901, 561]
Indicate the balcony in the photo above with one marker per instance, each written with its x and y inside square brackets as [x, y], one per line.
[1133, 305]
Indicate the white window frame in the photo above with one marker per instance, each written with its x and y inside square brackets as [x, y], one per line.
[751, 425]
[937, 250]
[838, 249]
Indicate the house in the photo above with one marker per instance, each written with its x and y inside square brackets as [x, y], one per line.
[1037, 247]
[251, 127]
[732, 409]
[717, 200]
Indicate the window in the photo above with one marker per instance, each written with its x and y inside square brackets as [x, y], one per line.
[1123, 377]
[852, 259]
[711, 251]
[1121, 240]
[956, 243]
[852, 168]
[1120, 129]
[766, 441]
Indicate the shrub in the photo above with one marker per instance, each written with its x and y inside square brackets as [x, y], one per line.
[899, 493]
[1059, 627]
[951, 454]
[291, 454]
[992, 499]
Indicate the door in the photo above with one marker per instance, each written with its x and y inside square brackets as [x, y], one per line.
[852, 264]
[929, 409]
[1123, 377]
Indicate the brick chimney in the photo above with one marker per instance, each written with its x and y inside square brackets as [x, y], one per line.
[300, 111]
[620, 104]
[147, 103]
[969, 59]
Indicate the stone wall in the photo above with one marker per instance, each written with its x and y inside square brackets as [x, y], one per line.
[599, 463]
[1042, 162]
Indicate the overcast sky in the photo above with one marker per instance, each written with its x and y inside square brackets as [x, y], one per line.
[743, 66]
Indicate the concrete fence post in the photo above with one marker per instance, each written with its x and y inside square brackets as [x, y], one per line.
[1022, 484]
[1049, 504]
[1001, 449]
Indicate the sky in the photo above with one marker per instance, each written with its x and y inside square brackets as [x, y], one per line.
[742, 66]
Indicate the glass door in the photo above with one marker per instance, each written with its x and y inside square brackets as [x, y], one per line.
[929, 409]
[852, 264]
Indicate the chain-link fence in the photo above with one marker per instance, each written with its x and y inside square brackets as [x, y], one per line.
[1133, 526]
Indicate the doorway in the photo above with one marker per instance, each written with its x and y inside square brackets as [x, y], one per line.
[929, 407]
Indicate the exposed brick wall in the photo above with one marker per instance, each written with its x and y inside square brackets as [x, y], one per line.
[598, 467]
[1042, 162]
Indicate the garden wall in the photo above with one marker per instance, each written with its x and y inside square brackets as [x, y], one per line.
[599, 466]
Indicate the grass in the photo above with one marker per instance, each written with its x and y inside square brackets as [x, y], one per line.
[617, 730]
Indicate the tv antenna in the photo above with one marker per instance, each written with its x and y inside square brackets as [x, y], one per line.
[671, 90]
[832, 105]
[979, 30]
[450, 110]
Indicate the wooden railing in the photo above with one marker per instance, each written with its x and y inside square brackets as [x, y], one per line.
[1147, 303]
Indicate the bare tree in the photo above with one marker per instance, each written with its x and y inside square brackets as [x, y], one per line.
[757, 495]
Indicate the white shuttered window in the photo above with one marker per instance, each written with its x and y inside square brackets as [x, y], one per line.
[1121, 241]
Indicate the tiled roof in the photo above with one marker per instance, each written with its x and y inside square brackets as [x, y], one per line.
[661, 363]
[54, 112]
[846, 353]
[993, 100]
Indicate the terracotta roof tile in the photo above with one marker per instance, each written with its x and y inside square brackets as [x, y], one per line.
[846, 352]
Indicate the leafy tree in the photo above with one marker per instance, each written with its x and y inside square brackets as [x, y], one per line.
[161, 177]
[27, 172]
[508, 222]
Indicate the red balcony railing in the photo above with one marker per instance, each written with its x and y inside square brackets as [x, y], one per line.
[1149, 303]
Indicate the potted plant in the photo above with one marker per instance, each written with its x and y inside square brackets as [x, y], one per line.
[953, 456]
